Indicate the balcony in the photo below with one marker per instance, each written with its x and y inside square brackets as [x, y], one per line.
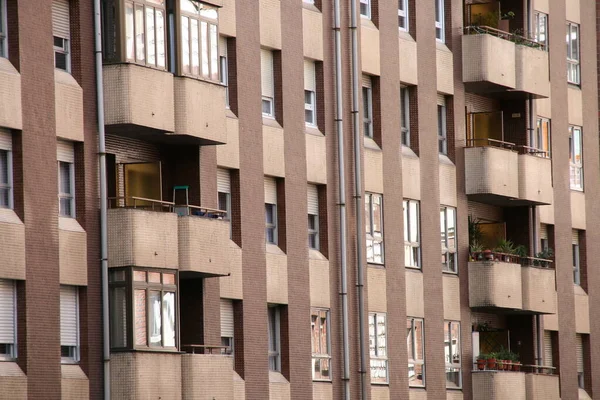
[504, 64]
[535, 177]
[542, 387]
[207, 376]
[514, 385]
[511, 284]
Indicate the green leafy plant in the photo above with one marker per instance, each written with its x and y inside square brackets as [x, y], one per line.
[507, 15]
[505, 246]
[475, 234]
[483, 356]
[521, 251]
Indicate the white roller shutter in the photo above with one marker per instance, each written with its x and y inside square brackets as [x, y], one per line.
[7, 311]
[270, 191]
[68, 316]
[312, 199]
[5, 140]
[223, 181]
[226, 318]
[310, 80]
[64, 151]
[579, 353]
[548, 349]
[575, 236]
[222, 46]
[441, 99]
[366, 81]
[543, 231]
[268, 87]
[60, 18]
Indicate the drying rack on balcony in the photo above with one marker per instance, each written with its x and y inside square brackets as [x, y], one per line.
[512, 37]
[204, 349]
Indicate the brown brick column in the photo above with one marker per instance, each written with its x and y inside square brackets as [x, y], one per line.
[40, 186]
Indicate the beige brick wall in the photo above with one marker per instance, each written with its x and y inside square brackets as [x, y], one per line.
[414, 294]
[312, 24]
[447, 182]
[498, 385]
[239, 387]
[369, 47]
[490, 170]
[72, 254]
[142, 238]
[445, 71]
[322, 391]
[578, 210]
[542, 387]
[277, 275]
[74, 383]
[377, 293]
[451, 297]
[227, 18]
[490, 59]
[582, 310]
[203, 245]
[273, 154]
[573, 11]
[535, 179]
[408, 62]
[228, 154]
[68, 97]
[411, 175]
[316, 158]
[270, 23]
[12, 237]
[417, 394]
[495, 284]
[539, 290]
[575, 106]
[13, 382]
[279, 387]
[532, 72]
[379, 392]
[206, 376]
[454, 395]
[373, 169]
[10, 96]
[231, 286]
[320, 295]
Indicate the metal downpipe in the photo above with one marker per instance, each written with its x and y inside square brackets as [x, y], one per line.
[103, 198]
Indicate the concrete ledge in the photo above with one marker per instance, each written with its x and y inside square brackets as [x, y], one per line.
[12, 245]
[498, 385]
[206, 376]
[68, 104]
[495, 284]
[12, 381]
[72, 256]
[489, 63]
[542, 387]
[74, 383]
[539, 289]
[491, 171]
[10, 96]
[203, 245]
[532, 71]
[277, 275]
[535, 179]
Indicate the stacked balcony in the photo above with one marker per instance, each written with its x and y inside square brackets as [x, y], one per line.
[515, 385]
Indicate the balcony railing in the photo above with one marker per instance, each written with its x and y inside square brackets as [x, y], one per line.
[494, 256]
[498, 365]
[512, 37]
[205, 349]
[486, 142]
[164, 206]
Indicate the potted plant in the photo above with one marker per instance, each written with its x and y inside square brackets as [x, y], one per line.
[514, 359]
[506, 248]
[543, 255]
[504, 23]
[491, 361]
[481, 361]
[475, 250]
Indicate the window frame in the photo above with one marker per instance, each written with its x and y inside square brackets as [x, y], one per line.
[367, 5]
[573, 55]
[375, 349]
[3, 30]
[411, 340]
[447, 251]
[274, 312]
[271, 226]
[11, 353]
[367, 98]
[70, 197]
[442, 129]
[576, 171]
[403, 14]
[64, 49]
[408, 244]
[8, 186]
[311, 107]
[144, 4]
[405, 114]
[313, 233]
[224, 75]
[271, 112]
[576, 263]
[321, 355]
[453, 365]
[440, 23]
[536, 138]
[370, 234]
[538, 18]
[212, 38]
[74, 352]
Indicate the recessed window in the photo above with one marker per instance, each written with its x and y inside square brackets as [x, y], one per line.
[403, 15]
[540, 139]
[367, 98]
[271, 210]
[6, 170]
[374, 227]
[61, 34]
[416, 359]
[224, 68]
[405, 115]
[441, 119]
[313, 217]
[581, 356]
[365, 8]
[227, 326]
[448, 231]
[321, 345]
[452, 354]
[573, 66]
[145, 33]
[267, 84]
[66, 178]
[310, 93]
[576, 158]
[274, 316]
[69, 324]
[3, 24]
[541, 29]
[576, 258]
[439, 21]
[412, 234]
[224, 194]
[8, 300]
[200, 39]
[378, 348]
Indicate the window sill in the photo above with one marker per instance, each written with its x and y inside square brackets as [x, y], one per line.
[277, 377]
[450, 273]
[577, 190]
[367, 22]
[439, 45]
[201, 79]
[405, 35]
[270, 121]
[369, 143]
[230, 114]
[375, 265]
[416, 269]
[274, 249]
[310, 7]
[444, 159]
[312, 130]
[380, 384]
[408, 152]
[322, 381]
[314, 254]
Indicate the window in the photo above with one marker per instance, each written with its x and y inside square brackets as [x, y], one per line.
[448, 225]
[580, 361]
[224, 193]
[224, 68]
[227, 326]
[541, 28]
[312, 194]
[412, 234]
[452, 354]
[416, 359]
[374, 227]
[8, 300]
[439, 21]
[321, 353]
[365, 8]
[576, 258]
[441, 116]
[309, 1]
[573, 72]
[403, 15]
[405, 115]
[66, 179]
[271, 210]
[3, 25]
[267, 83]
[200, 40]
[6, 181]
[146, 34]
[310, 93]
[69, 324]
[62, 34]
[540, 139]
[274, 338]
[576, 158]
[378, 347]
[367, 98]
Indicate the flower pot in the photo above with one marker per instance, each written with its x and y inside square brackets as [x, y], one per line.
[517, 366]
[487, 254]
[491, 363]
[481, 364]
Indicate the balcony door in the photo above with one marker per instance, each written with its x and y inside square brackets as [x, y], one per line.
[142, 181]
[485, 128]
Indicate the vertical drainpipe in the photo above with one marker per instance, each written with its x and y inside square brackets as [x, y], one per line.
[358, 143]
[339, 113]
[103, 198]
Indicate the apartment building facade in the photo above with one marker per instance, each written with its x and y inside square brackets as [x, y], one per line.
[280, 179]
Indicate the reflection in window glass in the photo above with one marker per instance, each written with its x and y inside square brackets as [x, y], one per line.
[378, 347]
[415, 347]
[140, 318]
[320, 345]
[150, 35]
[374, 227]
[154, 314]
[452, 354]
[169, 318]
[412, 247]
[140, 54]
[129, 31]
[448, 238]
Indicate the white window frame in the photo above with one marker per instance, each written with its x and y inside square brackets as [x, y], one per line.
[573, 55]
[271, 209]
[134, 51]
[64, 49]
[313, 234]
[8, 186]
[67, 196]
[410, 245]
[442, 131]
[207, 61]
[405, 115]
[367, 5]
[270, 113]
[224, 75]
[576, 172]
[411, 340]
[536, 139]
[11, 348]
[274, 329]
[311, 107]
[371, 238]
[74, 351]
[576, 264]
[440, 24]
[3, 30]
[541, 28]
[403, 15]
[309, 1]
[367, 94]
[452, 365]
[378, 350]
[449, 252]
[321, 356]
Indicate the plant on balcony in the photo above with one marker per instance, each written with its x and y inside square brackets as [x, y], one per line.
[476, 251]
[506, 248]
[481, 361]
[543, 255]
[491, 361]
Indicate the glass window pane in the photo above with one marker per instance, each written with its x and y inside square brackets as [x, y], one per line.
[140, 318]
[160, 38]
[118, 317]
[416, 374]
[139, 276]
[204, 48]
[3, 167]
[65, 178]
[368, 213]
[214, 53]
[381, 336]
[169, 318]
[377, 216]
[314, 325]
[154, 318]
[150, 36]
[169, 279]
[409, 338]
[154, 277]
[451, 221]
[372, 338]
[419, 340]
[414, 221]
[129, 31]
[575, 42]
[195, 47]
[140, 53]
[324, 333]
[185, 44]
[406, 221]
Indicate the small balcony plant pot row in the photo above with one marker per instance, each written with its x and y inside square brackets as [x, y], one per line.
[503, 360]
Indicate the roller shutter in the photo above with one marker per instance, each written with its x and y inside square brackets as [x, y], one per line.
[548, 362]
[60, 19]
[223, 181]
[226, 318]
[268, 87]
[5, 140]
[270, 191]
[310, 76]
[68, 316]
[312, 200]
[579, 353]
[7, 311]
[65, 152]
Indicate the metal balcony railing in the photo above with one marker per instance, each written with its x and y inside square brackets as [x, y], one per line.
[143, 203]
[492, 256]
[512, 37]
